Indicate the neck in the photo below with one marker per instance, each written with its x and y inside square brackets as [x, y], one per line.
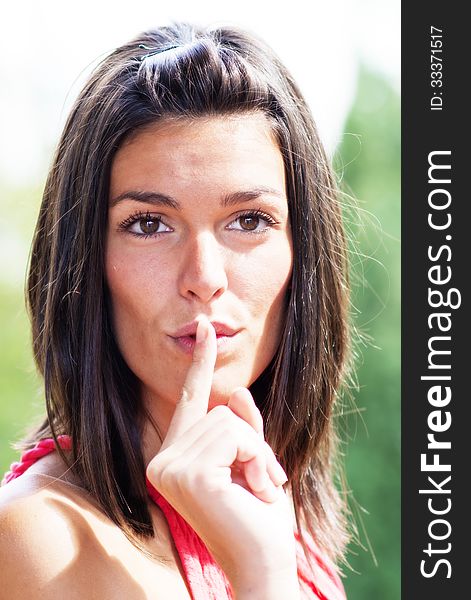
[158, 416]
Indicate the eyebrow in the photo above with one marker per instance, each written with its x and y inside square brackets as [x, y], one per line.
[159, 199]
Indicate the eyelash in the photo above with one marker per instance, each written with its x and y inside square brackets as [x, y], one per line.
[139, 215]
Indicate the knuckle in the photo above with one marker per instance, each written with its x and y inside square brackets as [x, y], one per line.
[268, 449]
[154, 471]
[232, 442]
[170, 475]
[192, 479]
[222, 411]
[163, 472]
[184, 479]
[247, 429]
[230, 435]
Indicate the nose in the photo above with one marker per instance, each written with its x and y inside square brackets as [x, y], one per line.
[203, 274]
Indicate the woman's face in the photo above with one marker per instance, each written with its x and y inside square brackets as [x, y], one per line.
[198, 225]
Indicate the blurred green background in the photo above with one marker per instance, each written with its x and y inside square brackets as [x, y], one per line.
[368, 161]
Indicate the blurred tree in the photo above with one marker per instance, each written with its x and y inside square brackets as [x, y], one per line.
[368, 160]
[20, 398]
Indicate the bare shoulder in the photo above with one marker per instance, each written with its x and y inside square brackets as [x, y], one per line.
[55, 542]
[42, 535]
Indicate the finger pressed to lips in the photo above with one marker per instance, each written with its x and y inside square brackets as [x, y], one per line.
[236, 429]
[193, 403]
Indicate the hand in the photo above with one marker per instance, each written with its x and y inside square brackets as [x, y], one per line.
[218, 473]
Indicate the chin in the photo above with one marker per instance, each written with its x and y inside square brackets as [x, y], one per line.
[220, 396]
[224, 384]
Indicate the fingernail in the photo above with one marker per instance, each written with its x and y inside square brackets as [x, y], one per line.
[201, 331]
[280, 475]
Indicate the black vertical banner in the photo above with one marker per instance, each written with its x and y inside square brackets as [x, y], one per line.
[436, 268]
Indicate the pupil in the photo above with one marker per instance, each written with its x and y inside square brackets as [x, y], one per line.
[249, 223]
[149, 225]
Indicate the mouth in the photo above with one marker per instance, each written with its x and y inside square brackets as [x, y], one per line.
[185, 337]
[187, 343]
[189, 330]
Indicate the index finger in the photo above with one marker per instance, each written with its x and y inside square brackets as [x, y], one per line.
[193, 403]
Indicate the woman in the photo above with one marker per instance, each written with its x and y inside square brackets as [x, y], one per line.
[188, 298]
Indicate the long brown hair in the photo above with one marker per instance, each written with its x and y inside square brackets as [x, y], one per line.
[182, 71]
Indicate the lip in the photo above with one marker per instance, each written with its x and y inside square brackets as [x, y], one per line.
[185, 337]
[189, 330]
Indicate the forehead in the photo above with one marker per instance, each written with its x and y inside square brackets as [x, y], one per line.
[221, 151]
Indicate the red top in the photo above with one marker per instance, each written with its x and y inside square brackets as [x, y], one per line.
[205, 578]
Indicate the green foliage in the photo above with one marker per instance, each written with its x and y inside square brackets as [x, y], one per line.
[368, 160]
[20, 402]
[20, 399]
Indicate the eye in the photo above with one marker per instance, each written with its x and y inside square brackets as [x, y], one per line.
[144, 225]
[253, 222]
[148, 226]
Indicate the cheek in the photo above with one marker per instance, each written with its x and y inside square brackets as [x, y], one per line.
[138, 294]
[260, 286]
[263, 280]
[136, 280]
